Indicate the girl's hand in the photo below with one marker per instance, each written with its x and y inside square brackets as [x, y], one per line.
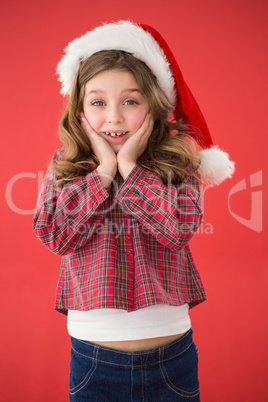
[100, 147]
[105, 154]
[137, 143]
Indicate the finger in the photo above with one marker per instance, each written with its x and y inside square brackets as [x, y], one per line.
[147, 125]
[87, 127]
[84, 120]
[150, 121]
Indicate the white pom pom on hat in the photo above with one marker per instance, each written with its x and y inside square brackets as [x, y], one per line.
[147, 45]
[215, 165]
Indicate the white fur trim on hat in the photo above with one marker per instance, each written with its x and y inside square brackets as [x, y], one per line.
[215, 165]
[125, 36]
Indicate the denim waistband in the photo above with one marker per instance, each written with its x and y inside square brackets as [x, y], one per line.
[89, 350]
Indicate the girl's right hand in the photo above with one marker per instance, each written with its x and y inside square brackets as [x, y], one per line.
[100, 147]
[105, 154]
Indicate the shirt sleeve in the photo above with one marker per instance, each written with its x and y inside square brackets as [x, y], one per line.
[170, 213]
[65, 218]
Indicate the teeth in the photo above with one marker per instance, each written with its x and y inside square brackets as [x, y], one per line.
[115, 134]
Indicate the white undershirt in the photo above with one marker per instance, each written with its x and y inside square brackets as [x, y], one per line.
[119, 325]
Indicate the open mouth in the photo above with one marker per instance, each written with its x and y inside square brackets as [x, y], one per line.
[119, 134]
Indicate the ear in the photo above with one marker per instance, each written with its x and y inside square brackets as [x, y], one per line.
[78, 114]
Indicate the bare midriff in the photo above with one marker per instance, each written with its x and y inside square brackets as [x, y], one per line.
[140, 344]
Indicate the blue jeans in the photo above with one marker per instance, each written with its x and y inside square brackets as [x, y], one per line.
[167, 373]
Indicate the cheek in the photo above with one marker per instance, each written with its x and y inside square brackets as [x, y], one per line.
[136, 120]
[94, 119]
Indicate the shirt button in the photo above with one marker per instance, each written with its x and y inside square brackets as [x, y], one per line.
[127, 238]
[128, 252]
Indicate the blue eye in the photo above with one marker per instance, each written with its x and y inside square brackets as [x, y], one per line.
[131, 102]
[98, 103]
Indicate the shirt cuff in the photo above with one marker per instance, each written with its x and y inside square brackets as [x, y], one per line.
[130, 183]
[95, 184]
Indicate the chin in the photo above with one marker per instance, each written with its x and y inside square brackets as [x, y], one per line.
[116, 150]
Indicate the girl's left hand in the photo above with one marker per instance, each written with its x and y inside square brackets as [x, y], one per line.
[137, 143]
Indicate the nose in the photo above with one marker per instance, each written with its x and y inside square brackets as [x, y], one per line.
[114, 114]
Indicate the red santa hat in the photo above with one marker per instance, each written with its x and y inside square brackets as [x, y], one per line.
[147, 45]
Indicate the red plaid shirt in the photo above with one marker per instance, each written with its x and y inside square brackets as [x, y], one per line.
[124, 247]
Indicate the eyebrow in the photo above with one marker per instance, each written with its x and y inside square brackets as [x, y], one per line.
[100, 91]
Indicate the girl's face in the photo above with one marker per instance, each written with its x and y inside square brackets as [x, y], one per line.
[114, 106]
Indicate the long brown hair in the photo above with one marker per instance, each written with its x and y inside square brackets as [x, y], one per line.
[170, 150]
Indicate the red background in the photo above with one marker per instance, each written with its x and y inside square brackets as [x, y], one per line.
[221, 47]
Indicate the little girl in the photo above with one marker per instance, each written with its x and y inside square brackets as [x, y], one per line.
[120, 202]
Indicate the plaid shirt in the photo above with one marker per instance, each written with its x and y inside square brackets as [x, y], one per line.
[123, 247]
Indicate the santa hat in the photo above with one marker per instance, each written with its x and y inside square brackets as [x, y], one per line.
[147, 45]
